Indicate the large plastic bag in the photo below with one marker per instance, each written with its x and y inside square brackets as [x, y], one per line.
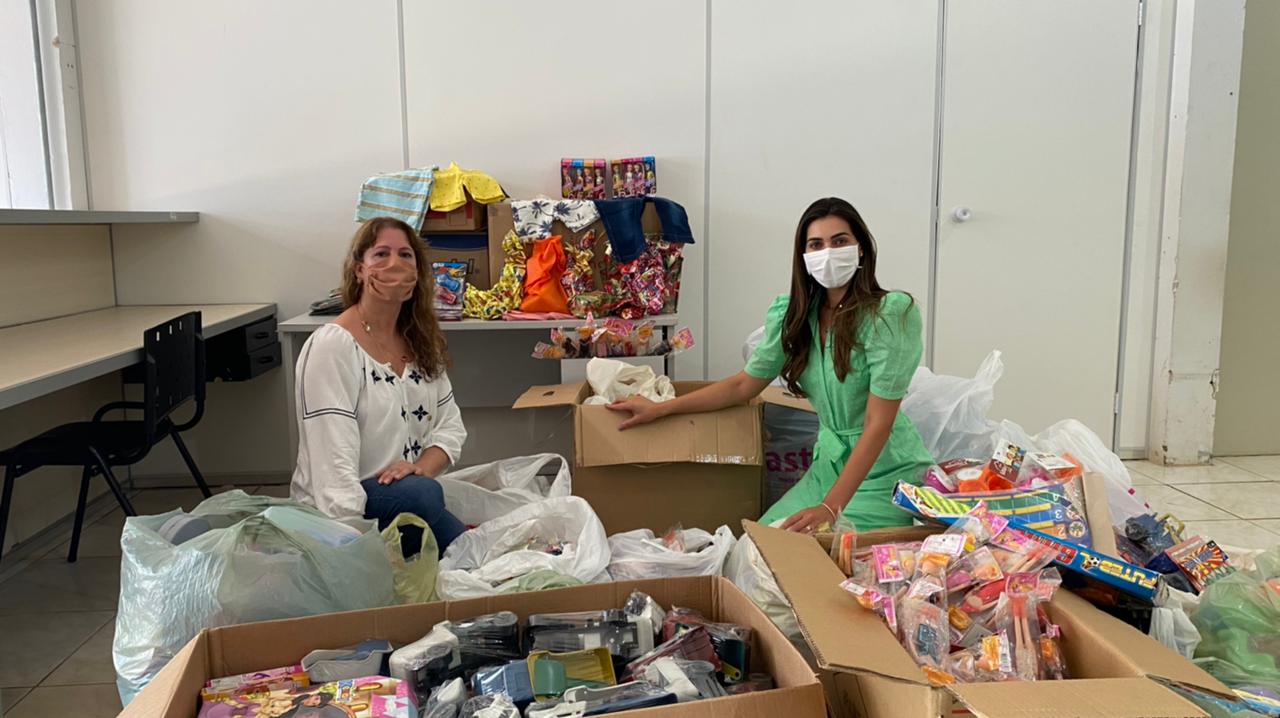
[612, 380]
[1071, 436]
[1171, 622]
[950, 412]
[482, 493]
[494, 556]
[789, 438]
[246, 568]
[639, 555]
[1239, 622]
[415, 577]
[747, 569]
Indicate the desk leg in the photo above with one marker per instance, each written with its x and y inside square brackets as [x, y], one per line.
[290, 364]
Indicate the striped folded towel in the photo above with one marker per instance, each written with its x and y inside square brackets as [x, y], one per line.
[403, 195]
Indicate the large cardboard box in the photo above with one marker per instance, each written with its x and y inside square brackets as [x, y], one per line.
[702, 470]
[259, 646]
[868, 674]
[471, 249]
[467, 218]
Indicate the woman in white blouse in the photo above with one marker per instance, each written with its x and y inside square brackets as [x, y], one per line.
[377, 418]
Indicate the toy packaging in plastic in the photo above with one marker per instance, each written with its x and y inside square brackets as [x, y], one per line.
[370, 697]
[611, 338]
[450, 289]
[635, 177]
[583, 179]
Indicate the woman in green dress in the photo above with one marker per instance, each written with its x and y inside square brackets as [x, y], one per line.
[851, 347]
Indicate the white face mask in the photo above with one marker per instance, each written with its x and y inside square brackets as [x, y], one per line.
[833, 267]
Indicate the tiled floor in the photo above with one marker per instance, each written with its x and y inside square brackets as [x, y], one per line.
[57, 619]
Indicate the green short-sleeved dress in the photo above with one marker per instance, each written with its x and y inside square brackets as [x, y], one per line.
[891, 349]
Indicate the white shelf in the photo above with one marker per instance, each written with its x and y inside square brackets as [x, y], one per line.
[70, 216]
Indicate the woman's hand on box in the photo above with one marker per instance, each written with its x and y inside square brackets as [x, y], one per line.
[642, 411]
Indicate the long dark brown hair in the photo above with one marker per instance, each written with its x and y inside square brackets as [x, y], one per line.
[861, 301]
[417, 322]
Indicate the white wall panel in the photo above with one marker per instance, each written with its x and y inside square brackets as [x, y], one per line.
[511, 87]
[830, 98]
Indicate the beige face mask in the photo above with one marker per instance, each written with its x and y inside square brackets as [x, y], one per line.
[392, 280]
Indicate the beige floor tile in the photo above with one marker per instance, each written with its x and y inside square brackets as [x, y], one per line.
[9, 698]
[34, 644]
[1212, 474]
[93, 701]
[1140, 466]
[1232, 533]
[90, 664]
[52, 584]
[1140, 479]
[1167, 499]
[1267, 466]
[1248, 501]
[1272, 525]
[96, 540]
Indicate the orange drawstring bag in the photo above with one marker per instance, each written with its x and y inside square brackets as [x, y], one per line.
[543, 291]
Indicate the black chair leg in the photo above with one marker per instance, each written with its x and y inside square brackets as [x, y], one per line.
[191, 464]
[10, 474]
[114, 485]
[80, 506]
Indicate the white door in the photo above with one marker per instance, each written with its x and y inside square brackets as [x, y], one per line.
[835, 97]
[1033, 187]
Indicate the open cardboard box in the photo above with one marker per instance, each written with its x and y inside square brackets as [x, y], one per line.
[703, 470]
[869, 674]
[259, 646]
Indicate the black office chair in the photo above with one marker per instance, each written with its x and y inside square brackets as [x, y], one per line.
[174, 373]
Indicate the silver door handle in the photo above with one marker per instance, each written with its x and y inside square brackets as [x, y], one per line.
[961, 214]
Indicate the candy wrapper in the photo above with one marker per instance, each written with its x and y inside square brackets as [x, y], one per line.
[450, 280]
[578, 280]
[611, 338]
[507, 294]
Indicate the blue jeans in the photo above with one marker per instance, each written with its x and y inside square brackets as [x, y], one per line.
[413, 495]
[626, 235]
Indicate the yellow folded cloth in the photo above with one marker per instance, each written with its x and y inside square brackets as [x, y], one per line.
[448, 184]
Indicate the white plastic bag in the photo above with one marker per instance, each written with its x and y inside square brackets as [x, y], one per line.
[639, 555]
[950, 412]
[747, 569]
[612, 380]
[492, 557]
[246, 568]
[482, 493]
[1171, 622]
[1071, 436]
[789, 438]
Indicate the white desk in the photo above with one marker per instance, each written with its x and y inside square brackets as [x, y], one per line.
[42, 357]
[294, 332]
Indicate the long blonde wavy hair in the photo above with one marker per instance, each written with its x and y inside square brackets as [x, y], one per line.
[416, 322]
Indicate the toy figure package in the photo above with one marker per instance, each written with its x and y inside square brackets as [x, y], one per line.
[450, 289]
[635, 177]
[371, 697]
[582, 179]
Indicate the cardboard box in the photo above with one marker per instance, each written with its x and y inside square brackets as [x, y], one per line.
[703, 470]
[467, 218]
[472, 249]
[870, 675]
[260, 646]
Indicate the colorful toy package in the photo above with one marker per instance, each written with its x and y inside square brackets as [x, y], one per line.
[635, 177]
[371, 697]
[450, 279]
[1046, 515]
[1201, 561]
[582, 179]
[275, 679]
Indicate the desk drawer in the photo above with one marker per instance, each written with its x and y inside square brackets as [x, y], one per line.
[241, 366]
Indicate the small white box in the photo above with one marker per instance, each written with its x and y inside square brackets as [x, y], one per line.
[574, 371]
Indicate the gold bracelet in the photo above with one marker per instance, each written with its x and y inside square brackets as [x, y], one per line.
[830, 511]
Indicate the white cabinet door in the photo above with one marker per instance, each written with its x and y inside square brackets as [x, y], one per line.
[1033, 186]
[833, 97]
